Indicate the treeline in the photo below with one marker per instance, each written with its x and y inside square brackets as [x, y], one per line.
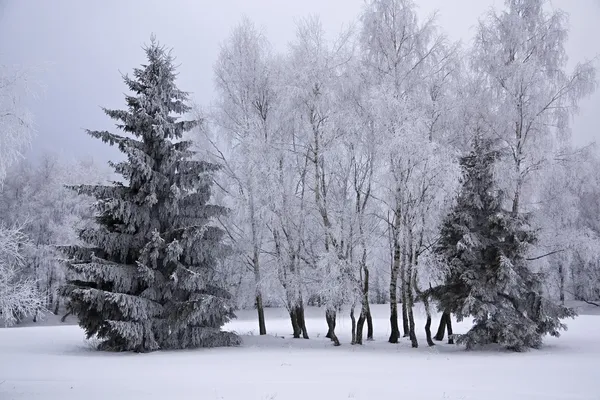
[388, 164]
[342, 163]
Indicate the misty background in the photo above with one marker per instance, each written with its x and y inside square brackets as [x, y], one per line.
[81, 47]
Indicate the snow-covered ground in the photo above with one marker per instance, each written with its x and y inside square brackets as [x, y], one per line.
[55, 362]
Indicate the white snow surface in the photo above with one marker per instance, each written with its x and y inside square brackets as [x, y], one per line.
[56, 362]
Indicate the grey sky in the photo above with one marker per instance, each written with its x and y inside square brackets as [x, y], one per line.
[84, 45]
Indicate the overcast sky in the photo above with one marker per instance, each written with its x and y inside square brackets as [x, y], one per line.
[84, 44]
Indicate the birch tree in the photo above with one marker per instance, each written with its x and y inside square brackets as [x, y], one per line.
[19, 296]
[35, 198]
[319, 69]
[362, 152]
[520, 54]
[246, 86]
[16, 123]
[567, 215]
[402, 55]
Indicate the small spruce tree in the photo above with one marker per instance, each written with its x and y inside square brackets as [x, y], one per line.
[484, 248]
[147, 277]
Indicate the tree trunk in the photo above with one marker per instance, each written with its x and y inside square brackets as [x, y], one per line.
[37, 285]
[298, 322]
[428, 323]
[561, 274]
[395, 334]
[404, 297]
[330, 316]
[519, 183]
[57, 306]
[330, 324]
[359, 327]
[68, 312]
[301, 320]
[449, 326]
[412, 335]
[295, 326]
[410, 302]
[354, 330]
[428, 331]
[439, 336]
[261, 314]
[369, 325]
[404, 318]
[50, 291]
[262, 328]
[64, 317]
[411, 320]
[365, 312]
[367, 307]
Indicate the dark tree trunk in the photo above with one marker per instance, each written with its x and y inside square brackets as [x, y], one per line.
[298, 322]
[69, 312]
[50, 291]
[369, 325]
[412, 334]
[410, 303]
[449, 326]
[367, 307]
[354, 330]
[428, 323]
[365, 312]
[439, 336]
[395, 334]
[57, 306]
[301, 320]
[404, 318]
[330, 324]
[359, 327]
[428, 331]
[562, 283]
[330, 316]
[295, 326]
[404, 297]
[261, 314]
[64, 317]
[262, 327]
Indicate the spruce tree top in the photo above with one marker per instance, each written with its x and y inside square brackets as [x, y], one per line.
[147, 279]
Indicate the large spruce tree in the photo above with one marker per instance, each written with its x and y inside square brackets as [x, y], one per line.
[147, 277]
[484, 248]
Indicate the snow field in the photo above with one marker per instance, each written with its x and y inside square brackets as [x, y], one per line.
[56, 362]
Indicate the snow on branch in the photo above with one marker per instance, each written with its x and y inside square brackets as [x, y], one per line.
[18, 296]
